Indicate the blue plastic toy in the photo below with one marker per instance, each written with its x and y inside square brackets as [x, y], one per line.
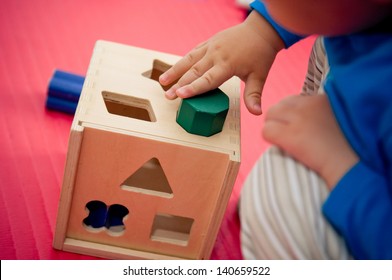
[64, 91]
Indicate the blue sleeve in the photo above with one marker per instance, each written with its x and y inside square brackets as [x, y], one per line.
[287, 37]
[360, 209]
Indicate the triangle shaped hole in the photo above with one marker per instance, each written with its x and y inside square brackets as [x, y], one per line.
[149, 179]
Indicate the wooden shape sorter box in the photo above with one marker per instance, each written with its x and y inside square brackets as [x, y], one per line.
[136, 184]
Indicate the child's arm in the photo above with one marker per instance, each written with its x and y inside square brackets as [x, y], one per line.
[246, 50]
[287, 37]
[360, 209]
[360, 203]
[306, 128]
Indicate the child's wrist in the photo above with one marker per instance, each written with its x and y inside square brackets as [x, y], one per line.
[265, 30]
[333, 172]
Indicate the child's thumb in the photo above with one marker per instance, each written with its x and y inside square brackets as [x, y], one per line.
[252, 95]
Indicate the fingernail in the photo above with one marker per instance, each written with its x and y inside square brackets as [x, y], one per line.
[163, 78]
[257, 108]
[170, 94]
[180, 92]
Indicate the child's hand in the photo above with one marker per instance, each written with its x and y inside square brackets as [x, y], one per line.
[246, 50]
[305, 127]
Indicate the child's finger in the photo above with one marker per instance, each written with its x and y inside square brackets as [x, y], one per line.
[211, 79]
[195, 72]
[286, 109]
[181, 67]
[252, 94]
[274, 131]
[191, 75]
[171, 93]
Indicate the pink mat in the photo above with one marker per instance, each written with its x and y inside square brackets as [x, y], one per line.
[37, 37]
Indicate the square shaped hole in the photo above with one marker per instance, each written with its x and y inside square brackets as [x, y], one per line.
[171, 229]
[128, 106]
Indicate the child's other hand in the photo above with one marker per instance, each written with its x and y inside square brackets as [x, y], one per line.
[305, 127]
[246, 50]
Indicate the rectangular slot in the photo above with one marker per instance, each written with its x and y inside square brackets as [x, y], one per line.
[171, 229]
[128, 106]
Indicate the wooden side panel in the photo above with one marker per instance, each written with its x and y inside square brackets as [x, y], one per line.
[110, 252]
[75, 142]
[196, 177]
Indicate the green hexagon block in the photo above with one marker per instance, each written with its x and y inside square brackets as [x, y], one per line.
[204, 114]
